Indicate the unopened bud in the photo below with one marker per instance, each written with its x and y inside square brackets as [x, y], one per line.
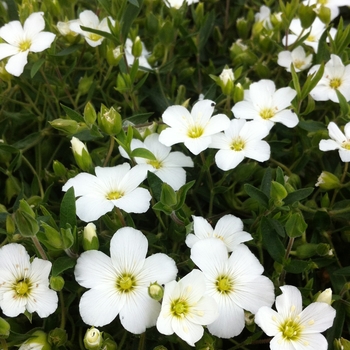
[324, 14]
[81, 154]
[307, 16]
[226, 81]
[37, 341]
[90, 239]
[93, 339]
[4, 328]
[109, 120]
[155, 291]
[325, 297]
[137, 47]
[84, 84]
[328, 181]
[58, 337]
[56, 283]
[58, 168]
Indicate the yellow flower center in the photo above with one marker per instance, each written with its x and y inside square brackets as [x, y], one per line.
[224, 285]
[311, 38]
[155, 163]
[114, 195]
[126, 283]
[335, 83]
[179, 308]
[22, 288]
[195, 131]
[290, 329]
[346, 145]
[25, 45]
[298, 64]
[94, 37]
[322, 2]
[237, 145]
[267, 113]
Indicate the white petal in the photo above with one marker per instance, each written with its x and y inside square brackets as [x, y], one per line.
[85, 184]
[311, 341]
[178, 117]
[140, 312]
[344, 155]
[245, 110]
[158, 149]
[268, 320]
[287, 117]
[42, 42]
[133, 178]
[42, 300]
[137, 201]
[192, 286]
[39, 271]
[285, 59]
[197, 145]
[128, 250]
[172, 136]
[34, 24]
[15, 259]
[94, 269]
[280, 343]
[7, 50]
[175, 177]
[112, 176]
[317, 317]
[202, 111]
[230, 321]
[262, 93]
[201, 227]
[91, 208]
[99, 307]
[335, 133]
[89, 19]
[259, 151]
[328, 145]
[191, 240]
[228, 159]
[187, 330]
[12, 33]
[204, 312]
[15, 64]
[177, 159]
[289, 303]
[283, 97]
[11, 305]
[158, 268]
[216, 124]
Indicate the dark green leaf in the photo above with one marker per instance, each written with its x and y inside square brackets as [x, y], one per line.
[256, 194]
[131, 12]
[298, 195]
[62, 264]
[295, 225]
[73, 114]
[67, 210]
[296, 266]
[345, 271]
[143, 153]
[101, 33]
[36, 66]
[266, 182]
[271, 241]
[181, 194]
[68, 51]
[155, 184]
[206, 29]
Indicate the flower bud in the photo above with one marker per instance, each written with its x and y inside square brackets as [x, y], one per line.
[4, 328]
[325, 201]
[56, 283]
[37, 341]
[248, 318]
[278, 193]
[328, 181]
[114, 55]
[307, 16]
[81, 155]
[243, 28]
[226, 81]
[341, 344]
[66, 125]
[58, 337]
[199, 14]
[109, 121]
[325, 297]
[109, 344]
[10, 225]
[238, 93]
[324, 14]
[156, 291]
[93, 339]
[84, 84]
[59, 169]
[90, 239]
[89, 114]
[137, 47]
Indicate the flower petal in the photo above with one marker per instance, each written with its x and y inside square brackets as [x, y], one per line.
[33, 25]
[187, 331]
[91, 208]
[12, 33]
[42, 300]
[335, 133]
[289, 303]
[137, 201]
[7, 50]
[202, 112]
[42, 41]
[15, 64]
[328, 145]
[268, 320]
[228, 159]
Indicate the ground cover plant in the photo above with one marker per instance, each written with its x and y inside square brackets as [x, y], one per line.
[174, 174]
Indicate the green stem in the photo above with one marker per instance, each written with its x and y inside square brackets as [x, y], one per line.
[110, 150]
[41, 189]
[63, 310]
[39, 248]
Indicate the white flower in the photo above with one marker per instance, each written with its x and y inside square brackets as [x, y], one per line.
[315, 32]
[227, 76]
[114, 186]
[235, 282]
[195, 129]
[78, 146]
[185, 308]
[90, 20]
[130, 57]
[339, 141]
[229, 229]
[166, 165]
[65, 29]
[22, 40]
[178, 3]
[333, 5]
[293, 328]
[119, 284]
[297, 57]
[241, 140]
[263, 102]
[263, 16]
[336, 76]
[24, 285]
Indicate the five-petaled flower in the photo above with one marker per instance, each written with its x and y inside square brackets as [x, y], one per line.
[119, 283]
[336, 77]
[22, 40]
[186, 308]
[165, 164]
[293, 328]
[263, 102]
[297, 57]
[234, 281]
[24, 284]
[112, 186]
[241, 140]
[229, 229]
[338, 141]
[195, 129]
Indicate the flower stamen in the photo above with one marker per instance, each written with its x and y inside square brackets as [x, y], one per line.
[195, 131]
[126, 283]
[24, 45]
[179, 308]
[114, 195]
[267, 113]
[224, 284]
[335, 83]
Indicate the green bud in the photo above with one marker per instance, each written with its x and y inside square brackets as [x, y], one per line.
[89, 114]
[248, 318]
[124, 84]
[58, 337]
[56, 283]
[168, 195]
[25, 220]
[263, 70]
[37, 341]
[328, 181]
[295, 225]
[25, 207]
[10, 225]
[109, 121]
[109, 344]
[137, 47]
[114, 55]
[199, 14]
[85, 83]
[226, 80]
[81, 155]
[90, 239]
[266, 44]
[306, 250]
[323, 249]
[278, 192]
[325, 201]
[166, 33]
[156, 291]
[66, 125]
[307, 16]
[341, 344]
[324, 14]
[51, 238]
[4, 328]
[59, 169]
[238, 93]
[93, 339]
[243, 28]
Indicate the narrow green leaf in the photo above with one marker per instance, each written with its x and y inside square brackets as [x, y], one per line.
[295, 78]
[107, 5]
[345, 271]
[256, 194]
[62, 264]
[182, 193]
[68, 51]
[130, 14]
[134, 2]
[298, 195]
[36, 66]
[271, 241]
[266, 182]
[143, 153]
[155, 184]
[312, 81]
[101, 33]
[206, 29]
[73, 114]
[67, 209]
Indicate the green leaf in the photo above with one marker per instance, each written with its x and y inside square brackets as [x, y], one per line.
[312, 81]
[139, 118]
[206, 29]
[271, 241]
[182, 193]
[344, 106]
[134, 2]
[256, 194]
[36, 66]
[143, 153]
[266, 182]
[107, 5]
[73, 114]
[295, 225]
[155, 184]
[164, 208]
[101, 33]
[311, 125]
[168, 195]
[67, 209]
[345, 271]
[130, 14]
[295, 78]
[298, 195]
[296, 266]
[62, 264]
[68, 51]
